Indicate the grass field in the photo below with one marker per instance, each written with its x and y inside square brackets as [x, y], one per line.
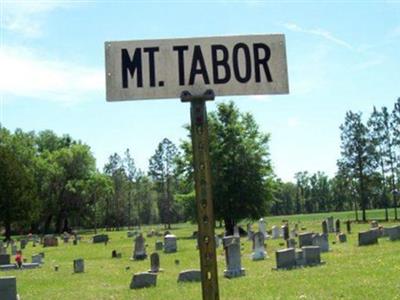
[350, 272]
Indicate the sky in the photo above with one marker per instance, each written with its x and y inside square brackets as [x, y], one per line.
[341, 55]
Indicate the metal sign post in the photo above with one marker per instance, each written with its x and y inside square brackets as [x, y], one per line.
[205, 213]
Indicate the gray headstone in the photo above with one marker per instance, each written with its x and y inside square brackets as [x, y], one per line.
[291, 243]
[100, 238]
[79, 265]
[30, 265]
[249, 232]
[8, 267]
[170, 245]
[159, 245]
[262, 227]
[4, 259]
[232, 257]
[145, 279]
[330, 224]
[275, 232]
[48, 241]
[37, 259]
[259, 252]
[285, 231]
[8, 288]
[189, 276]
[393, 232]
[285, 258]
[337, 226]
[3, 250]
[325, 227]
[348, 226]
[305, 239]
[139, 252]
[321, 240]
[154, 263]
[367, 238]
[342, 238]
[23, 243]
[311, 255]
[13, 249]
[130, 234]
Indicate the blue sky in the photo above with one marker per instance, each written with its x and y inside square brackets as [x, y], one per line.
[342, 55]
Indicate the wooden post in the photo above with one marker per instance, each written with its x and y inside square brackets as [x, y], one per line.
[205, 212]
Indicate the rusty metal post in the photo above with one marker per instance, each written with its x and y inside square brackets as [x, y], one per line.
[205, 213]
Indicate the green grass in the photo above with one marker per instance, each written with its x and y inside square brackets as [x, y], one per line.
[350, 272]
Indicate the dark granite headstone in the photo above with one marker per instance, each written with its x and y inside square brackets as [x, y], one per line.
[142, 280]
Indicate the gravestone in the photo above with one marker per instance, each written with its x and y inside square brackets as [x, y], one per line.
[291, 243]
[114, 254]
[159, 245]
[100, 238]
[325, 227]
[285, 231]
[300, 261]
[321, 240]
[189, 276]
[367, 238]
[374, 224]
[292, 234]
[154, 263]
[41, 254]
[4, 259]
[342, 238]
[8, 288]
[285, 258]
[262, 227]
[79, 265]
[23, 243]
[37, 259]
[393, 232]
[74, 242]
[329, 220]
[130, 234]
[30, 265]
[236, 231]
[3, 250]
[48, 241]
[311, 255]
[348, 226]
[139, 252]
[13, 249]
[232, 257]
[142, 280]
[66, 237]
[337, 226]
[305, 239]
[249, 232]
[259, 252]
[170, 243]
[275, 232]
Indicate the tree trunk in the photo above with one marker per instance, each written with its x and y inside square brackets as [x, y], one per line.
[7, 225]
[47, 224]
[66, 227]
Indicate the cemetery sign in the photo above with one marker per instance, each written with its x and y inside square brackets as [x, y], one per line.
[230, 65]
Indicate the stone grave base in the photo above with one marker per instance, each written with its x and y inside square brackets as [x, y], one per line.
[234, 273]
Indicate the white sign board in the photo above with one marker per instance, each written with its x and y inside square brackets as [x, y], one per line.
[231, 65]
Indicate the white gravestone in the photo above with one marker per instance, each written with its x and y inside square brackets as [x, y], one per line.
[259, 252]
[170, 243]
[262, 227]
[275, 232]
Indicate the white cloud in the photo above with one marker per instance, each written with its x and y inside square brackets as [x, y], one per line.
[28, 74]
[263, 98]
[293, 122]
[319, 32]
[27, 17]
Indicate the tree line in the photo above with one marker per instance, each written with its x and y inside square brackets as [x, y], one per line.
[49, 183]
